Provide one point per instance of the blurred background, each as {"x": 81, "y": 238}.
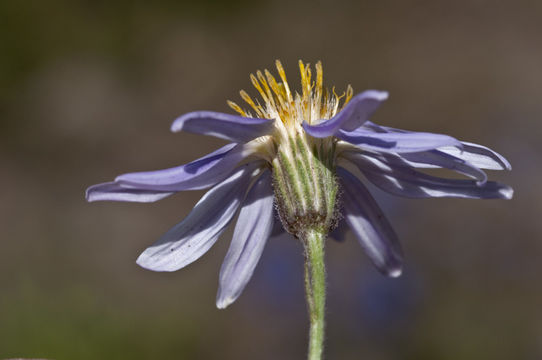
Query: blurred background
{"x": 88, "y": 90}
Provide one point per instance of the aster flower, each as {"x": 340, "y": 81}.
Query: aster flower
{"x": 292, "y": 154}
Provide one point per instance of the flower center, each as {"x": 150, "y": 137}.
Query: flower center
{"x": 314, "y": 104}
{"x": 303, "y": 167}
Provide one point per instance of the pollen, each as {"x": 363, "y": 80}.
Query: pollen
{"x": 314, "y": 104}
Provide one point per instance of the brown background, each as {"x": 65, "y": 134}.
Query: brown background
{"x": 88, "y": 91}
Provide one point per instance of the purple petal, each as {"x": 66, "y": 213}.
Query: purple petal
{"x": 404, "y": 180}
{"x": 225, "y": 126}
{"x": 354, "y": 114}
{"x": 199, "y": 174}
{"x": 112, "y": 191}
{"x": 479, "y": 156}
{"x": 370, "y": 226}
{"x": 252, "y": 230}
{"x": 192, "y": 237}
{"x": 369, "y": 125}
{"x": 439, "y": 159}
{"x": 396, "y": 142}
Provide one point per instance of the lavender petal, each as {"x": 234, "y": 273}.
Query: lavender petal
{"x": 225, "y": 126}
{"x": 251, "y": 232}
{"x": 112, "y": 191}
{"x": 198, "y": 174}
{"x": 479, "y": 156}
{"x": 396, "y": 142}
{"x": 369, "y": 125}
{"x": 370, "y": 226}
{"x": 354, "y": 114}
{"x": 191, "y": 238}
{"x": 439, "y": 159}
{"x": 404, "y": 180}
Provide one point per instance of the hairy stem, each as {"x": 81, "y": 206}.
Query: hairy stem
{"x": 315, "y": 288}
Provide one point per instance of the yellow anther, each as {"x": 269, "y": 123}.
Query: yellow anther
{"x": 303, "y": 79}
{"x": 313, "y": 103}
{"x": 262, "y": 80}
{"x": 282, "y": 75}
{"x": 250, "y": 102}
{"x": 276, "y": 89}
{"x": 349, "y": 94}
{"x": 256, "y": 84}
{"x": 319, "y": 78}
{"x": 237, "y": 108}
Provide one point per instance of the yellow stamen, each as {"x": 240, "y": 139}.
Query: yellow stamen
{"x": 236, "y": 108}
{"x": 256, "y": 84}
{"x": 319, "y": 79}
{"x": 282, "y": 75}
{"x": 304, "y": 81}
{"x": 315, "y": 103}
{"x": 270, "y": 99}
{"x": 250, "y": 102}
{"x": 275, "y": 87}
{"x": 284, "y": 108}
{"x": 305, "y": 88}
{"x": 349, "y": 94}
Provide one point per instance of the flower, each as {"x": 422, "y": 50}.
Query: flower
{"x": 293, "y": 153}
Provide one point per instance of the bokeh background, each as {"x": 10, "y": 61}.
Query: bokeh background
{"x": 88, "y": 90}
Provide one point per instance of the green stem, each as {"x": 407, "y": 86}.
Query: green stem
{"x": 315, "y": 288}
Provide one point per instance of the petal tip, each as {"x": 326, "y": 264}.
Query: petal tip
{"x": 143, "y": 261}
{"x": 177, "y": 124}
{"x": 222, "y": 303}
{"x": 88, "y": 194}
{"x": 92, "y": 193}
{"x": 148, "y": 263}
{"x": 381, "y": 95}
{"x": 394, "y": 272}
{"x": 507, "y": 193}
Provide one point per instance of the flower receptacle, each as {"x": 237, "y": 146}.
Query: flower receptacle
{"x": 304, "y": 183}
